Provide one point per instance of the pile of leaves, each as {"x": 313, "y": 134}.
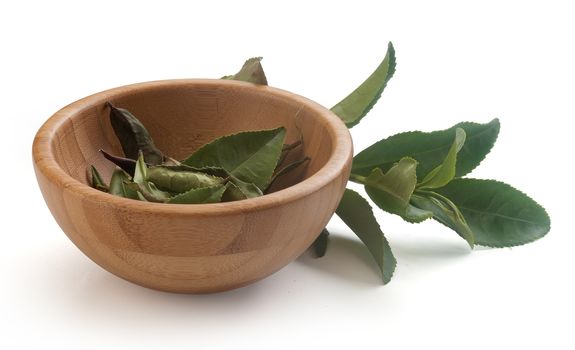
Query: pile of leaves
{"x": 233, "y": 167}
{"x": 421, "y": 175}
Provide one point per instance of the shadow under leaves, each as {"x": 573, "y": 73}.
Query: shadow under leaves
{"x": 347, "y": 259}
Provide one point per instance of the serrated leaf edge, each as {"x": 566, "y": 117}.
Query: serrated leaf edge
{"x": 523, "y": 193}
{"x": 235, "y": 134}
{"x": 468, "y": 138}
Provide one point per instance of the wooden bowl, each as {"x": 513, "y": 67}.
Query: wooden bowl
{"x": 191, "y": 248}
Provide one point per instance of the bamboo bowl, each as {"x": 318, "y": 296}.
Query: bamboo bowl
{"x": 191, "y": 248}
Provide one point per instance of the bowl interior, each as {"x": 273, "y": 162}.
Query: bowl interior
{"x": 181, "y": 116}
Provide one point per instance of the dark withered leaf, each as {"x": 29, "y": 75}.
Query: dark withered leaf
{"x": 320, "y": 244}
{"x": 126, "y": 164}
{"x": 288, "y": 147}
{"x": 129, "y": 165}
{"x": 134, "y": 136}
{"x": 286, "y": 169}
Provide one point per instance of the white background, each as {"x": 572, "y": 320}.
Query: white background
{"x": 456, "y": 61}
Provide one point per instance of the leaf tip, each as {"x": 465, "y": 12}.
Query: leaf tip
{"x": 392, "y": 59}
{"x": 391, "y": 50}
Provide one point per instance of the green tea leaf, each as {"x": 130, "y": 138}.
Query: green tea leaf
{"x": 320, "y": 244}
{"x": 250, "y": 156}
{"x": 498, "y": 214}
{"x": 392, "y": 191}
{"x": 146, "y": 189}
{"x": 141, "y": 169}
{"x": 118, "y": 187}
{"x": 441, "y": 175}
{"x": 96, "y": 180}
{"x": 134, "y": 136}
{"x": 250, "y": 190}
{"x": 178, "y": 179}
{"x": 357, "y": 104}
{"x": 117, "y": 182}
{"x": 237, "y": 189}
{"x": 429, "y": 149}
{"x": 445, "y": 212}
{"x": 357, "y": 214}
{"x": 233, "y": 193}
{"x": 149, "y": 191}
{"x": 212, "y": 171}
{"x": 416, "y": 215}
{"x": 201, "y": 195}
{"x": 252, "y": 72}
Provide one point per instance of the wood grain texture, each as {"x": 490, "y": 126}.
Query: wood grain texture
{"x": 191, "y": 248}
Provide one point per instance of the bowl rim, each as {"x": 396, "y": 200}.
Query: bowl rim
{"x": 338, "y": 161}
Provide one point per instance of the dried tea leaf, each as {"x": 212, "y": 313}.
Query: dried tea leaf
{"x": 250, "y": 156}
{"x": 133, "y": 136}
{"x": 149, "y": 191}
{"x": 237, "y": 189}
{"x": 146, "y": 189}
{"x": 118, "y": 184}
{"x": 286, "y": 169}
{"x": 212, "y": 171}
{"x": 288, "y": 147}
{"x": 96, "y": 180}
{"x": 202, "y": 195}
{"x": 141, "y": 169}
{"x": 249, "y": 189}
{"x": 178, "y": 179}
{"x": 252, "y": 72}
{"x": 233, "y": 193}
{"x": 126, "y": 164}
